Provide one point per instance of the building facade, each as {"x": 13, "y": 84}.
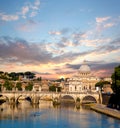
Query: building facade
{"x": 83, "y": 80}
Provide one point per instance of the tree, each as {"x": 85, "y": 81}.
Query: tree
{"x": 19, "y": 86}
{"x": 101, "y": 84}
{"x": 14, "y": 76}
{"x": 116, "y": 80}
{"x": 39, "y": 78}
{"x": 8, "y": 85}
{"x": 53, "y": 88}
{"x": 29, "y": 75}
{"x": 29, "y": 87}
{"x": 1, "y": 72}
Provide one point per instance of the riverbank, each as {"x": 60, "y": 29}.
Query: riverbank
{"x": 105, "y": 110}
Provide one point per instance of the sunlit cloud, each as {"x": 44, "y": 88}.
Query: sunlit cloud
{"x": 104, "y": 23}
{"x": 54, "y": 33}
{"x": 17, "y": 54}
{"x": 24, "y": 11}
{"x": 108, "y": 25}
{"x": 8, "y": 17}
{"x": 102, "y": 19}
{"x": 95, "y": 42}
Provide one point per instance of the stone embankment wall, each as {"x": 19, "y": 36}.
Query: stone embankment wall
{"x": 105, "y": 99}
{"x": 105, "y": 110}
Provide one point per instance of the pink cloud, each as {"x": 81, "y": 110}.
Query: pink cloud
{"x": 6, "y": 17}
{"x": 102, "y": 19}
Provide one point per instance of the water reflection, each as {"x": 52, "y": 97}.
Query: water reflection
{"x": 46, "y": 115}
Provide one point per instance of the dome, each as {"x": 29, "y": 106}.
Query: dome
{"x": 84, "y": 68}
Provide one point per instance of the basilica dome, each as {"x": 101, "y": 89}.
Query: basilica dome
{"x": 84, "y": 68}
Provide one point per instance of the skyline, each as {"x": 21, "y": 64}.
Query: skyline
{"x": 52, "y": 38}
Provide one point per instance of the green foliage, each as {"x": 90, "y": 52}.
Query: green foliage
{"x": 8, "y": 85}
{"x": 60, "y": 80}
{"x": 29, "y": 75}
{"x": 29, "y": 87}
{"x": 3, "y": 75}
{"x": 53, "y": 88}
{"x": 19, "y": 86}
{"x": 39, "y": 78}
{"x": 1, "y": 72}
{"x": 116, "y": 80}
{"x": 101, "y": 83}
{"x": 14, "y": 76}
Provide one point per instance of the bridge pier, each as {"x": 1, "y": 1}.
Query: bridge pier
{"x": 77, "y": 103}
{"x": 12, "y": 100}
{"x": 35, "y": 100}
{"x": 56, "y": 101}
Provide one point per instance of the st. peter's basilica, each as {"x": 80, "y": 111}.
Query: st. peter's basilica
{"x": 83, "y": 81}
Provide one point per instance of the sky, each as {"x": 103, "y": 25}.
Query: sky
{"x": 52, "y": 38}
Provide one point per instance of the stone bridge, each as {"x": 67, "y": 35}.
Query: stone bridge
{"x": 35, "y": 97}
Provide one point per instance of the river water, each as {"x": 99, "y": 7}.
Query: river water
{"x": 45, "y": 115}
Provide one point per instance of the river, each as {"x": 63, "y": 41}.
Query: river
{"x": 45, "y": 115}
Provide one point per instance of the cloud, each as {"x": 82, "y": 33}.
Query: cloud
{"x": 28, "y": 26}
{"x": 33, "y": 13}
{"x": 6, "y": 17}
{"x": 104, "y": 69}
{"x": 64, "y": 42}
{"x": 94, "y": 42}
{"x": 60, "y": 32}
{"x": 24, "y": 11}
{"x": 28, "y": 10}
{"x": 98, "y": 68}
{"x": 54, "y": 33}
{"x": 79, "y": 35}
{"x": 42, "y": 73}
{"x": 112, "y": 46}
{"x": 34, "y": 55}
{"x": 34, "y": 8}
{"x": 102, "y": 19}
{"x": 102, "y": 23}
{"x": 83, "y": 43}
{"x": 36, "y": 4}
{"x": 108, "y": 25}
{"x": 17, "y": 50}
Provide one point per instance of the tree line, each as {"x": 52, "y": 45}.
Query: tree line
{"x": 15, "y": 76}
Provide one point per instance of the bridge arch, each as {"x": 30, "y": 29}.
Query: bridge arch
{"x": 88, "y": 99}
{"x": 68, "y": 97}
{"x": 28, "y": 98}
{"x": 6, "y": 98}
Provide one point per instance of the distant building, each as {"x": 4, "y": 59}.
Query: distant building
{"x": 83, "y": 80}
{"x": 44, "y": 85}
